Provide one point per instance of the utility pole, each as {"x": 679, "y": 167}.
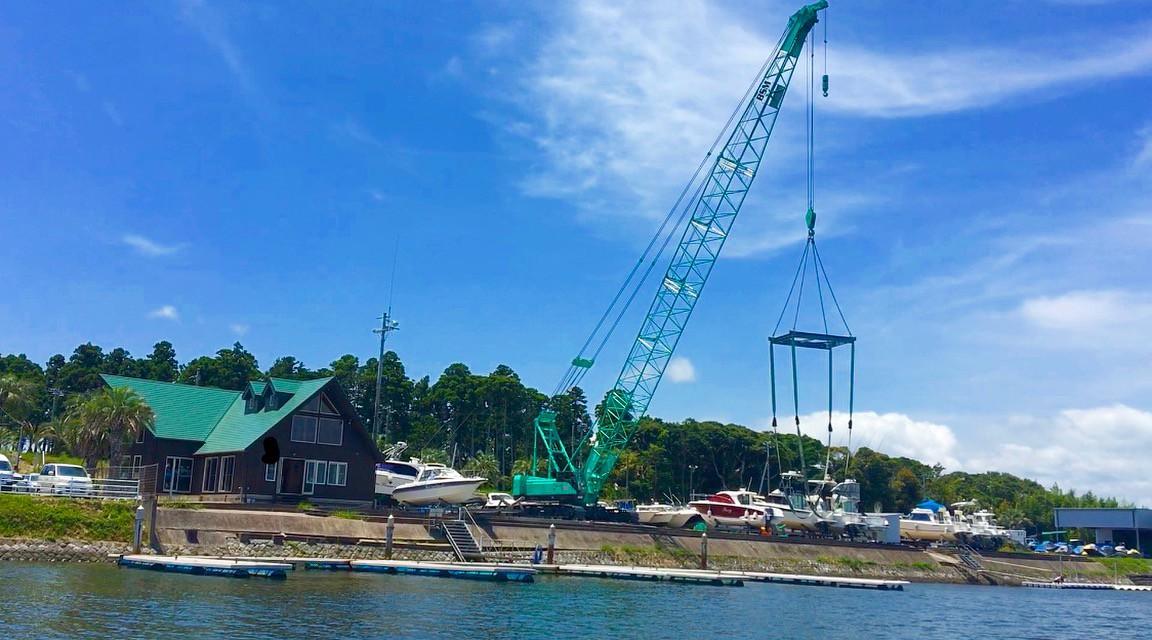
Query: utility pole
{"x": 387, "y": 324}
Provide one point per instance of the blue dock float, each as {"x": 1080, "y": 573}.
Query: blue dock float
{"x": 461, "y": 570}
{"x": 198, "y": 566}
{"x": 687, "y": 576}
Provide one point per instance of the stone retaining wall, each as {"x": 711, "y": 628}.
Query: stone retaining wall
{"x": 65, "y": 551}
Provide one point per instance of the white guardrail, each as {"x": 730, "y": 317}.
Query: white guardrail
{"x": 73, "y": 487}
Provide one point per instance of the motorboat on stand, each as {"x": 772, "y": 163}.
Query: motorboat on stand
{"x": 798, "y": 511}
{"x": 739, "y": 509}
{"x": 655, "y": 514}
{"x": 931, "y": 522}
{"x": 983, "y": 532}
{"x": 438, "y": 484}
{"x": 846, "y": 517}
{"x": 418, "y": 483}
{"x": 670, "y": 515}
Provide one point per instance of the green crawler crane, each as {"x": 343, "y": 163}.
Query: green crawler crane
{"x": 579, "y": 476}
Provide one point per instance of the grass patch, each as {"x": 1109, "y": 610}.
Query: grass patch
{"x": 66, "y": 518}
{"x": 854, "y": 564}
{"x": 182, "y": 504}
{"x": 347, "y": 515}
{"x": 304, "y": 505}
{"x": 1125, "y": 565}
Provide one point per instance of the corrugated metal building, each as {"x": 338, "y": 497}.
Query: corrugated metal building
{"x": 1132, "y": 527}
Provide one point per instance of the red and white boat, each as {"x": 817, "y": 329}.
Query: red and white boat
{"x": 737, "y": 508}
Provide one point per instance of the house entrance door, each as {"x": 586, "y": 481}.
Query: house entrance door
{"x": 292, "y": 476}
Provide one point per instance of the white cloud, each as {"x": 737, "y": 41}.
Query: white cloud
{"x": 915, "y": 84}
{"x": 1143, "y": 156}
{"x": 681, "y": 369}
{"x": 147, "y": 246}
{"x": 212, "y": 27}
{"x": 166, "y": 312}
{"x": 1090, "y": 311}
{"x": 895, "y": 434}
{"x": 238, "y": 328}
{"x": 1103, "y": 450}
{"x": 356, "y": 131}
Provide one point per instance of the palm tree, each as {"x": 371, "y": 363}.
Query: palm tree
{"x": 112, "y": 418}
{"x": 17, "y": 407}
{"x": 484, "y": 465}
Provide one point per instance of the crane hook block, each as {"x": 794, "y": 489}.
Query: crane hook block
{"x": 810, "y": 219}
{"x": 824, "y": 84}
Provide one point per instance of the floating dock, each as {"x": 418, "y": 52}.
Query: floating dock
{"x": 463, "y": 570}
{"x": 821, "y": 581}
{"x": 689, "y": 576}
{"x": 207, "y": 566}
{"x": 1095, "y": 586}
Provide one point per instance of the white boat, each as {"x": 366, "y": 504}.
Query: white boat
{"x": 983, "y": 532}
{"x": 846, "y": 517}
{"x": 654, "y": 514}
{"x": 931, "y": 522}
{"x": 683, "y": 517}
{"x": 437, "y": 484}
{"x": 798, "y": 510}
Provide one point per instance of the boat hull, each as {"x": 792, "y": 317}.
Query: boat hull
{"x": 455, "y": 491}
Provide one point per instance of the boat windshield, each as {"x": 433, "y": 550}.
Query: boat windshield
{"x": 437, "y": 473}
{"x": 921, "y": 516}
{"x": 5, "y": 465}
{"x": 744, "y": 498}
{"x": 797, "y": 501}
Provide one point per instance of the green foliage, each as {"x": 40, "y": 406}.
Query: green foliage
{"x": 1126, "y": 565}
{"x": 304, "y": 505}
{"x": 347, "y": 515}
{"x": 229, "y": 369}
{"x": 485, "y": 424}
{"x": 32, "y": 517}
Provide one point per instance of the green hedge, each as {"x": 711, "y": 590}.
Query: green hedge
{"x": 44, "y": 518}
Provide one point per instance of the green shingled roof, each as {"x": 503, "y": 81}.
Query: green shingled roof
{"x": 236, "y": 429}
{"x": 183, "y": 412}
{"x": 257, "y": 387}
{"x": 213, "y": 416}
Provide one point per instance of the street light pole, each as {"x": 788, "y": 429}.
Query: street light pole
{"x": 691, "y": 484}
{"x": 387, "y": 324}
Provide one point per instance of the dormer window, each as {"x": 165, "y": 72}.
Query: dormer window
{"x": 253, "y": 404}
{"x": 270, "y": 402}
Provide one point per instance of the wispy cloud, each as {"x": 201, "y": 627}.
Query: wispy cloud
{"x": 1143, "y": 157}
{"x": 881, "y": 84}
{"x": 166, "y": 312}
{"x": 1091, "y": 311}
{"x": 147, "y": 246}
{"x": 212, "y": 27}
{"x": 354, "y": 130}
{"x": 621, "y": 99}
{"x": 681, "y": 369}
{"x": 238, "y": 328}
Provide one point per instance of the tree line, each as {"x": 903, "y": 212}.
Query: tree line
{"x": 483, "y": 423}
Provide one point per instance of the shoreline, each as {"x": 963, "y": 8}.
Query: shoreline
{"x": 88, "y": 552}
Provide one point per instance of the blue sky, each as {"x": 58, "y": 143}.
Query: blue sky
{"x": 206, "y": 172}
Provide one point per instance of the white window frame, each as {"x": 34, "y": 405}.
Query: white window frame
{"x": 221, "y": 487}
{"x": 136, "y": 460}
{"x": 341, "y": 471}
{"x": 309, "y": 486}
{"x": 275, "y": 469}
{"x": 140, "y": 436}
{"x": 326, "y": 402}
{"x": 175, "y": 476}
{"x": 292, "y": 428}
{"x": 210, "y": 475}
{"x": 340, "y": 442}
{"x": 321, "y": 473}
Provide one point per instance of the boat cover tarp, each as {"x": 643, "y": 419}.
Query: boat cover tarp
{"x": 930, "y": 504}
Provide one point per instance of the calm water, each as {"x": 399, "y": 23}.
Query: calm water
{"x": 102, "y": 601}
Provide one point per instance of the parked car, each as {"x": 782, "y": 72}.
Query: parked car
{"x": 8, "y": 477}
{"x": 68, "y": 479}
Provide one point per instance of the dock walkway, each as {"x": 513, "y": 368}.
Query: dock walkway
{"x": 206, "y": 566}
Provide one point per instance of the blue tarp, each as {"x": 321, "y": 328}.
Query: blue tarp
{"x": 930, "y": 504}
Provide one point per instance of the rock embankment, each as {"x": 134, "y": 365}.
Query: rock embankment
{"x": 59, "y": 551}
